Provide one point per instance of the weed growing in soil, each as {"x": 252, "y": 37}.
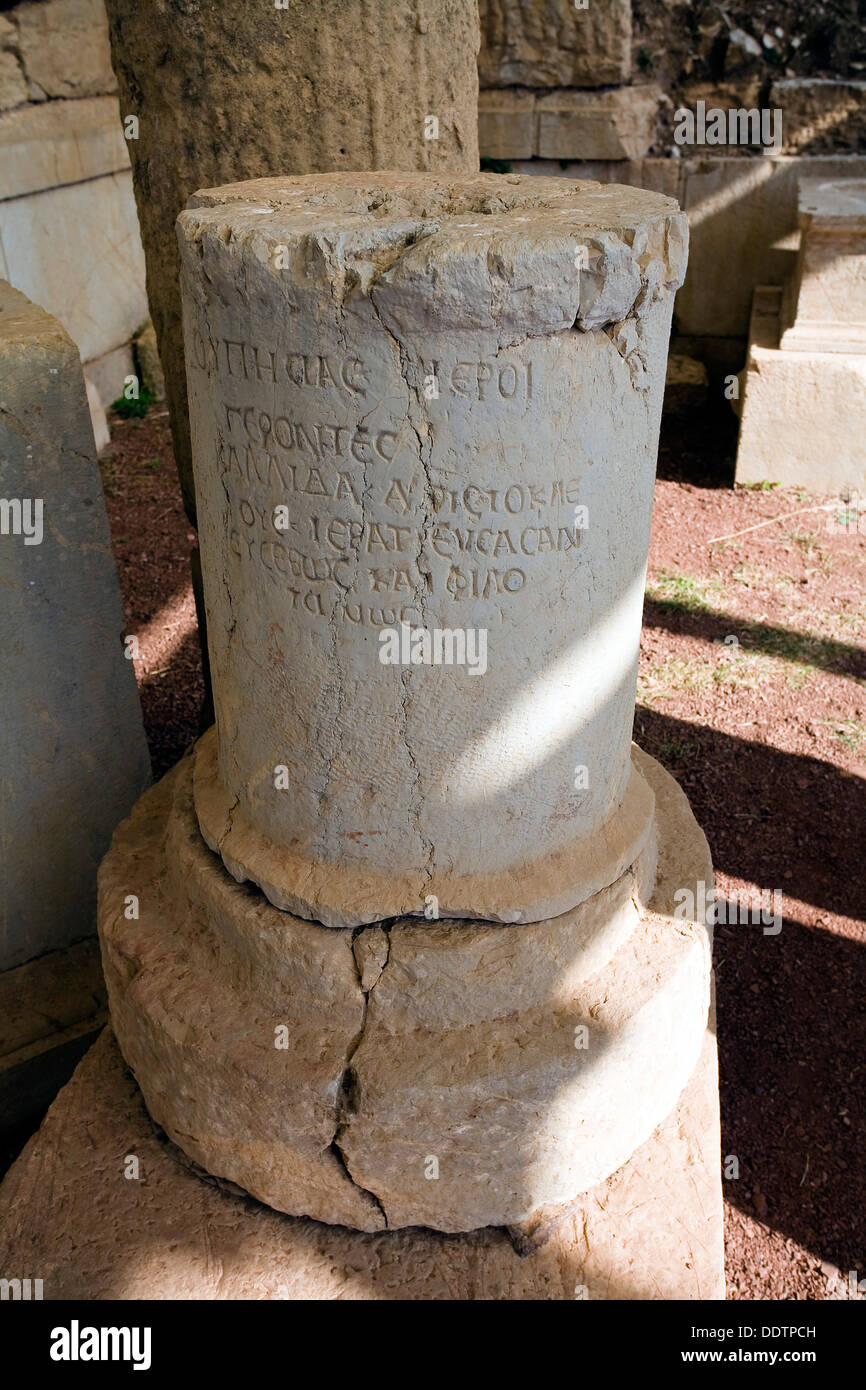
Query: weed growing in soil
{"x": 849, "y": 732}
{"x": 683, "y": 591}
{"x": 135, "y": 408}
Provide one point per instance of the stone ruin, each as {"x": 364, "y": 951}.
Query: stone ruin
{"x": 406, "y": 950}
{"x": 803, "y": 413}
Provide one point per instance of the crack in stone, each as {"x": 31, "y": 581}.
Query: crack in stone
{"x": 345, "y": 1105}
{"x": 329, "y": 252}
{"x": 230, "y": 815}
{"x": 424, "y": 458}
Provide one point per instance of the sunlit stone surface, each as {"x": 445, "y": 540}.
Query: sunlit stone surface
{"x": 465, "y": 995}
{"x": 432, "y": 405}
{"x": 450, "y": 1075}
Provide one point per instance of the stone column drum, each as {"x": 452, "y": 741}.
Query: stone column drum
{"x": 225, "y": 92}
{"x": 431, "y": 404}
{"x": 418, "y": 405}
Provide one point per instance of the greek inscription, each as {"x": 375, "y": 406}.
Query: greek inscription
{"x": 367, "y": 538}
{"x": 479, "y": 381}
{"x": 248, "y": 362}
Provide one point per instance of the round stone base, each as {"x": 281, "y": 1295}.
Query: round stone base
{"x": 651, "y": 1231}
{"x": 352, "y": 894}
{"x": 440, "y": 1074}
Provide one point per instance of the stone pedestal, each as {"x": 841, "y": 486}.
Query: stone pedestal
{"x": 404, "y": 945}
{"x": 804, "y": 409}
{"x": 73, "y": 756}
{"x": 330, "y": 1072}
{"x": 652, "y": 1231}
{"x": 824, "y": 304}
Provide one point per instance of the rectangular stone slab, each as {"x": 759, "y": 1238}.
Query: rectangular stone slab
{"x": 804, "y": 413}
{"x": 554, "y": 43}
{"x": 651, "y": 1231}
{"x": 74, "y": 757}
{"x": 824, "y": 305}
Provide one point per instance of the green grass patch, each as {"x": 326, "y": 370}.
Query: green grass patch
{"x": 683, "y": 592}
{"x": 135, "y": 408}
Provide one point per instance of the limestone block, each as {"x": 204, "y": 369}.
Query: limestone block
{"x": 105, "y": 378}
{"x": 686, "y": 384}
{"x": 237, "y": 92}
{"x": 98, "y": 417}
{"x": 820, "y": 114}
{"x": 554, "y": 43}
{"x": 84, "y": 234}
{"x": 13, "y": 86}
{"x": 506, "y": 124}
{"x": 59, "y": 142}
{"x": 74, "y": 755}
{"x": 64, "y": 48}
{"x": 405, "y": 1042}
{"x": 824, "y": 306}
{"x": 803, "y": 417}
{"x": 652, "y": 1231}
{"x": 742, "y": 214}
{"x": 438, "y": 507}
{"x": 616, "y": 124}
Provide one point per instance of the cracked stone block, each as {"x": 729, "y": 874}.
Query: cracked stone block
{"x": 425, "y": 403}
{"x": 56, "y": 143}
{"x": 652, "y": 1231}
{"x": 99, "y": 247}
{"x": 409, "y": 951}
{"x": 326, "y": 84}
{"x": 74, "y": 757}
{"x": 439, "y": 1074}
{"x": 554, "y": 43}
{"x": 64, "y": 48}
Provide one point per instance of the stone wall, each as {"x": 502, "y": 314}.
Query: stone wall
{"x": 69, "y": 235}
{"x": 594, "y": 91}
